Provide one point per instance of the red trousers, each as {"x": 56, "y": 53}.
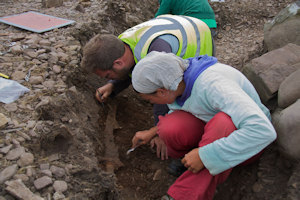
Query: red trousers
{"x": 182, "y": 132}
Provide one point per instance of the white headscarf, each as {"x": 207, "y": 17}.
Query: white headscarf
{"x": 158, "y": 70}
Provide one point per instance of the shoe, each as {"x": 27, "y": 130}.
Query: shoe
{"x": 176, "y": 168}
{"x": 166, "y": 197}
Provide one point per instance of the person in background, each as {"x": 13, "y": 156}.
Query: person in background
{"x": 216, "y": 119}
{"x": 200, "y": 9}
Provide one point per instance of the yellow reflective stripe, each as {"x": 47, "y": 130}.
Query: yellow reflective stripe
{"x": 206, "y": 40}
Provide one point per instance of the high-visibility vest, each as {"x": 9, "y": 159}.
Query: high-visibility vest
{"x": 193, "y": 35}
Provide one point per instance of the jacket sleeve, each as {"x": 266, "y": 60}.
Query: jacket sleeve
{"x": 119, "y": 85}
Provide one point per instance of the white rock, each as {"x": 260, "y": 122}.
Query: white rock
{"x": 25, "y": 159}
{"x": 19, "y": 190}
{"x": 60, "y": 186}
{"x": 36, "y": 80}
{"x": 14, "y": 154}
{"x": 42, "y": 182}
{"x": 8, "y": 172}
{"x": 56, "y": 69}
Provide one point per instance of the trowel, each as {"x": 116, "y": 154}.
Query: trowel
{"x": 130, "y": 150}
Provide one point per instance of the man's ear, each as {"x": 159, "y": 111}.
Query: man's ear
{"x": 118, "y": 64}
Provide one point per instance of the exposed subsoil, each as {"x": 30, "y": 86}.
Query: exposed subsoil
{"x": 75, "y": 127}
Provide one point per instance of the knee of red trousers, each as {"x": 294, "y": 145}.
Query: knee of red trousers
{"x": 181, "y": 131}
{"x": 218, "y": 127}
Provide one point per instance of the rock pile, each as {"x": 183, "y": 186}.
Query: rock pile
{"x": 276, "y": 76}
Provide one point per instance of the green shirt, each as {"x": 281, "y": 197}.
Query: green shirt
{"x": 194, "y": 8}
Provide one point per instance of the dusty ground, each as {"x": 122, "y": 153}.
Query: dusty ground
{"x": 72, "y": 125}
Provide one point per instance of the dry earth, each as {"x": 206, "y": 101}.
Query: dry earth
{"x": 61, "y": 125}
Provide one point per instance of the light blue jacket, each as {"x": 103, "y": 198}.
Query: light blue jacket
{"x": 223, "y": 88}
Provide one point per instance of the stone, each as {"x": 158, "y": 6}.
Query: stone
{"x": 23, "y": 177}
{"x": 12, "y": 107}
{"x": 18, "y": 75}
{"x": 58, "y": 196}
{"x": 44, "y": 101}
{"x": 8, "y": 172}
{"x": 289, "y": 89}
{"x": 16, "y": 142}
{"x": 3, "y": 121}
{"x": 268, "y": 71}
{"x": 31, "y": 53}
{"x": 30, "y": 124}
{"x": 53, "y": 58}
{"x": 46, "y": 172}
{"x": 19, "y": 190}
{"x": 25, "y": 159}
{"x": 42, "y": 182}
{"x": 49, "y": 84}
{"x": 15, "y": 154}
{"x": 287, "y": 125}
{"x": 56, "y": 69}
{"x": 44, "y": 166}
{"x": 60, "y": 186}
{"x": 6, "y": 149}
{"x": 284, "y": 28}
{"x": 45, "y": 42}
{"x": 34, "y": 80}
{"x": 43, "y": 56}
{"x": 57, "y": 171}
{"x": 17, "y": 49}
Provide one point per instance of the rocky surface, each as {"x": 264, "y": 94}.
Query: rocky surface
{"x": 52, "y": 138}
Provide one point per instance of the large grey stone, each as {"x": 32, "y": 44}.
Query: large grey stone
{"x": 289, "y": 89}
{"x": 284, "y": 28}
{"x": 19, "y": 190}
{"x": 287, "y": 125}
{"x": 268, "y": 71}
{"x": 8, "y": 172}
{"x": 15, "y": 154}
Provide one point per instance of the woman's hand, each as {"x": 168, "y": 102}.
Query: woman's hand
{"x": 192, "y": 161}
{"x": 143, "y": 137}
{"x": 161, "y": 148}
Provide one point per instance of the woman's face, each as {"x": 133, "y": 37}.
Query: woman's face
{"x": 161, "y": 96}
